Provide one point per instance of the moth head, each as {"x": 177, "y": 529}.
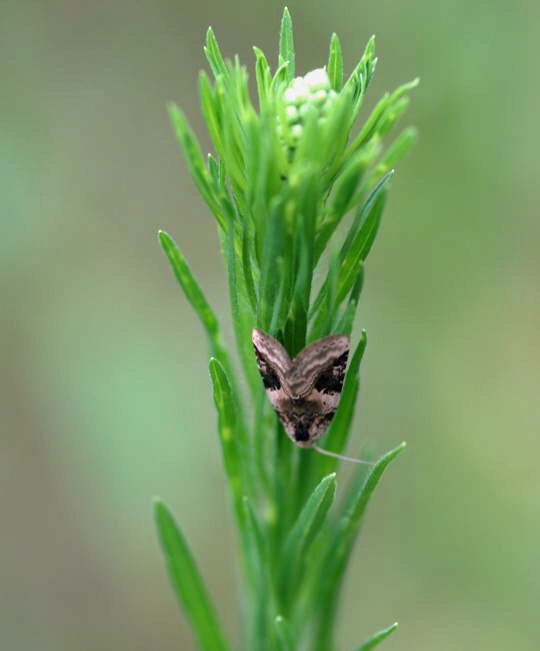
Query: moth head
{"x": 305, "y": 425}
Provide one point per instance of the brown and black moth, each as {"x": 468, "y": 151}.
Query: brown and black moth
{"x": 305, "y": 391}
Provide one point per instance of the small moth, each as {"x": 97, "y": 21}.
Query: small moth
{"x": 305, "y": 391}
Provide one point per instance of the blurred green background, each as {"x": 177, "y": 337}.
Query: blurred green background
{"x": 105, "y": 391}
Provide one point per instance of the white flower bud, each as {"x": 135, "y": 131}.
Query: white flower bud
{"x": 317, "y": 79}
{"x": 313, "y": 91}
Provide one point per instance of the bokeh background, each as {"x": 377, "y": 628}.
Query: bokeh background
{"x": 104, "y": 388}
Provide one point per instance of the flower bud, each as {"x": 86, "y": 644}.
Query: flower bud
{"x": 313, "y": 90}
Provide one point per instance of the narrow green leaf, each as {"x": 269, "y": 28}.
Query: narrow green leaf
{"x": 213, "y": 54}
{"x": 370, "y": 125}
{"x": 279, "y": 311}
{"x": 379, "y": 115}
{"x": 213, "y": 168}
{"x": 273, "y": 248}
{"x": 284, "y": 634}
{"x": 335, "y": 134}
{"x": 255, "y": 535}
{"x": 242, "y": 316}
{"x": 357, "y": 245}
{"x": 363, "y": 72}
{"x": 196, "y": 297}
{"x": 347, "y": 183}
{"x": 334, "y": 563}
{"x": 322, "y": 325}
{"x": 360, "y": 497}
{"x": 306, "y": 527}
{"x": 192, "y": 290}
{"x": 335, "y": 63}
{"x": 281, "y": 76}
{"x": 344, "y": 323}
{"x": 363, "y": 217}
{"x": 229, "y": 434}
{"x": 358, "y": 248}
{"x": 262, "y": 73}
{"x": 376, "y": 638}
{"x": 397, "y": 150}
{"x": 286, "y": 43}
{"x": 261, "y": 604}
{"x": 248, "y": 272}
{"x": 345, "y": 190}
{"x": 192, "y": 154}
{"x": 392, "y": 115}
{"x": 187, "y": 582}
{"x": 210, "y": 110}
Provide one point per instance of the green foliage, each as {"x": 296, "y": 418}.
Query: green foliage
{"x": 187, "y": 582}
{"x": 376, "y": 638}
{"x": 297, "y": 191}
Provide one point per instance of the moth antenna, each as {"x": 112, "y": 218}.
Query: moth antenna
{"x": 341, "y": 456}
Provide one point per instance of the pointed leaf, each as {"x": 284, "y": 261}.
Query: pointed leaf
{"x": 211, "y": 110}
{"x": 329, "y": 306}
{"x": 262, "y": 73}
{"x": 286, "y": 43}
{"x": 284, "y": 634}
{"x": 261, "y": 603}
{"x": 379, "y": 114}
{"x": 335, "y": 63}
{"x": 363, "y": 72}
{"x": 242, "y": 316}
{"x": 248, "y": 272}
{"x": 358, "y": 244}
{"x": 192, "y": 290}
{"x": 187, "y": 582}
{"x": 192, "y": 154}
{"x": 345, "y": 190}
{"x": 376, "y": 638}
{"x": 196, "y": 297}
{"x": 359, "y": 499}
{"x": 345, "y": 322}
{"x": 273, "y": 248}
{"x": 397, "y": 150}
{"x": 306, "y": 527}
{"x": 339, "y": 548}
{"x": 228, "y": 434}
{"x": 213, "y": 54}
{"x": 364, "y": 218}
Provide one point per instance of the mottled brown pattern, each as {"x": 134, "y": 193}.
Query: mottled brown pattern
{"x": 304, "y": 391}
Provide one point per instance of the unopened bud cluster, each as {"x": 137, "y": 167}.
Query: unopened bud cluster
{"x": 312, "y": 91}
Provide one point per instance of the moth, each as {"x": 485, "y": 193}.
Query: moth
{"x": 304, "y": 391}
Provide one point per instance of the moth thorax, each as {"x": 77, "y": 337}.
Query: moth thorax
{"x": 296, "y": 386}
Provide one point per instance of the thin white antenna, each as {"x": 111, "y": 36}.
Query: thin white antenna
{"x": 341, "y": 456}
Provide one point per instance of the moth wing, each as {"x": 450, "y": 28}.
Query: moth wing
{"x": 320, "y": 367}
{"x": 273, "y": 362}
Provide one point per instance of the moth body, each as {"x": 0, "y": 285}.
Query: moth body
{"x": 304, "y": 391}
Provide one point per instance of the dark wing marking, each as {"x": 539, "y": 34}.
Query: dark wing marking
{"x": 331, "y": 379}
{"x": 269, "y": 376}
{"x": 273, "y": 362}
{"x": 326, "y": 357}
